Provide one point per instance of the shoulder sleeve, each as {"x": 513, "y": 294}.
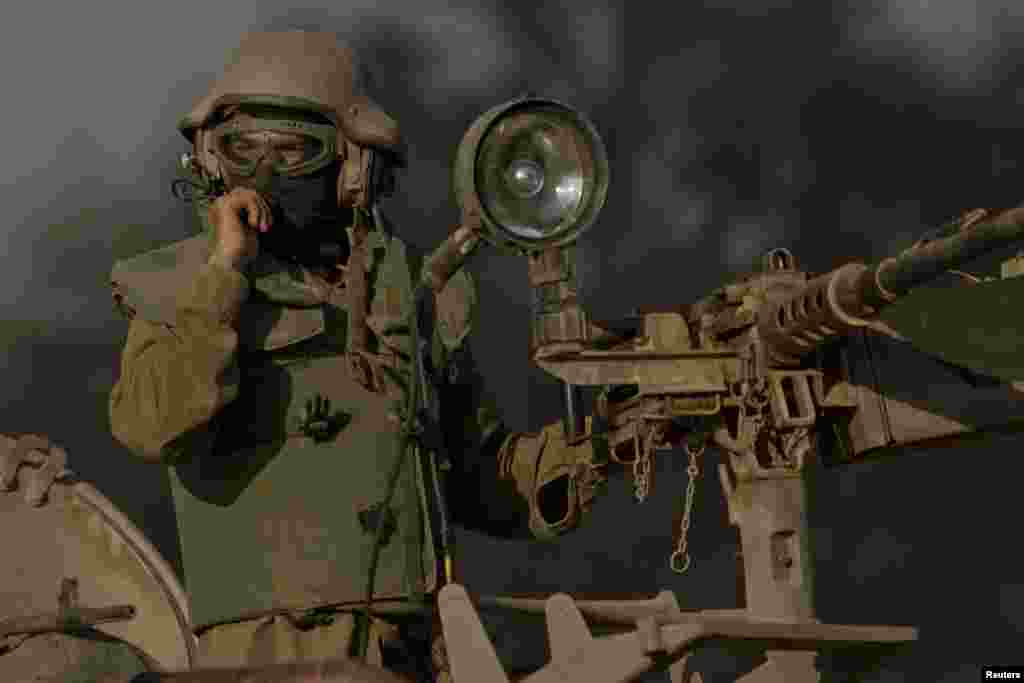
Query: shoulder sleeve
{"x": 148, "y": 286}
{"x": 456, "y": 310}
{"x": 178, "y": 366}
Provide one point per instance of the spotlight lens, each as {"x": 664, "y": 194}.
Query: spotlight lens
{"x": 538, "y": 169}
{"x": 524, "y": 178}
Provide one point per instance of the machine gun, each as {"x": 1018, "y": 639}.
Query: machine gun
{"x": 749, "y": 369}
{"x": 753, "y": 368}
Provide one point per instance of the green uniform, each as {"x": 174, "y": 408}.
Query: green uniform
{"x": 217, "y": 376}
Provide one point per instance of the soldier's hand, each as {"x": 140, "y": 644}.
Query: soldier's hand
{"x": 237, "y": 217}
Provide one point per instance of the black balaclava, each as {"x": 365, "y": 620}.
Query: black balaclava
{"x": 308, "y": 225}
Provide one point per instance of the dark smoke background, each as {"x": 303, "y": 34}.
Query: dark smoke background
{"x": 731, "y": 127}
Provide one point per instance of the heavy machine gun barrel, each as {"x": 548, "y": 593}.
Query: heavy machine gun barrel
{"x": 928, "y": 260}
{"x": 848, "y": 297}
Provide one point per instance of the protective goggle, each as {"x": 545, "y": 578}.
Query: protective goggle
{"x": 292, "y": 148}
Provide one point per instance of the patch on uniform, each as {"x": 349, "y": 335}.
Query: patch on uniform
{"x": 318, "y": 422}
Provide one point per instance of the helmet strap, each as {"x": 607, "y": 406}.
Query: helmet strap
{"x": 355, "y": 182}
{"x": 208, "y": 161}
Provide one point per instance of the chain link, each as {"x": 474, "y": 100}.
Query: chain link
{"x": 641, "y": 467}
{"x": 679, "y": 561}
{"x": 791, "y": 443}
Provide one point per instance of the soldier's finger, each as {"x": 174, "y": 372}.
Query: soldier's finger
{"x": 266, "y": 215}
{"x": 253, "y": 212}
{"x": 254, "y": 209}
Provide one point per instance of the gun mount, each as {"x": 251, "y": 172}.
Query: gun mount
{"x": 747, "y": 369}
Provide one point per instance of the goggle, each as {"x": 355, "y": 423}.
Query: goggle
{"x": 292, "y": 148}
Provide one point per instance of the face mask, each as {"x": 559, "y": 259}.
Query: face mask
{"x": 308, "y": 226}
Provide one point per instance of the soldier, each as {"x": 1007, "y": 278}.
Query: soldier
{"x": 267, "y": 364}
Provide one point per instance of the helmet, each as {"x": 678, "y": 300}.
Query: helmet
{"x": 299, "y": 70}
{"x": 303, "y": 70}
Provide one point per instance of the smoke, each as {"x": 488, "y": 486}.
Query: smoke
{"x": 749, "y": 237}
{"x": 899, "y": 224}
{"x": 674, "y": 210}
{"x": 596, "y": 34}
{"x": 459, "y": 50}
{"x": 961, "y": 44}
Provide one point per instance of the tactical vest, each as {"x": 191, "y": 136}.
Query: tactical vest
{"x": 276, "y": 509}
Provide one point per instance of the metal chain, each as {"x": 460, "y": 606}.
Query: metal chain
{"x": 679, "y": 561}
{"x": 642, "y": 465}
{"x": 790, "y": 445}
